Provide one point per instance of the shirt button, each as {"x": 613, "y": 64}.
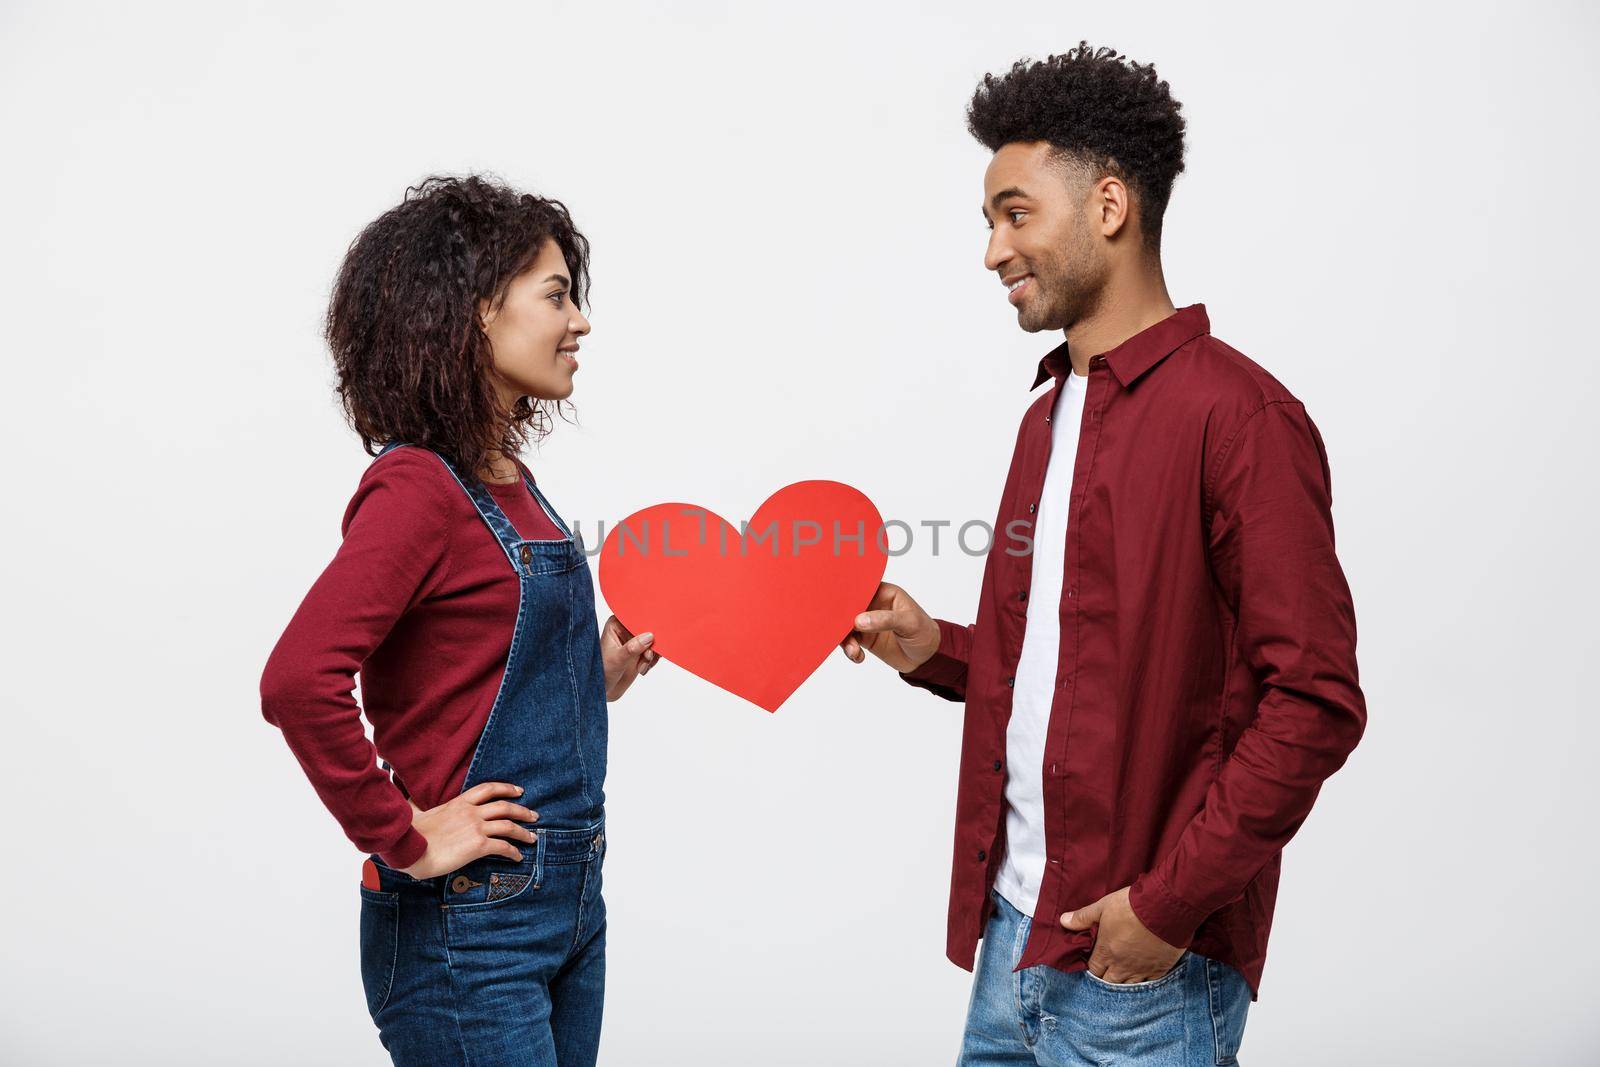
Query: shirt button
{"x": 982, "y": 855}
{"x": 1030, "y": 509}
{"x": 997, "y": 765}
{"x": 1022, "y": 595}
{"x": 1072, "y": 591}
{"x": 1011, "y": 681}
{"x": 1047, "y": 418}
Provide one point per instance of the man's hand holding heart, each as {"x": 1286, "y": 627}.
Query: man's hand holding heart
{"x": 895, "y": 629}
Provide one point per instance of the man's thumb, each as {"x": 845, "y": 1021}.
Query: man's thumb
{"x": 882, "y": 620}
{"x": 1083, "y": 918}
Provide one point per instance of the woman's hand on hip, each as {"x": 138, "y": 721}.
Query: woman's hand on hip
{"x": 625, "y": 656}
{"x": 480, "y": 822}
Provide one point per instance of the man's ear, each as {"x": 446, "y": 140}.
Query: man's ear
{"x": 1111, "y": 204}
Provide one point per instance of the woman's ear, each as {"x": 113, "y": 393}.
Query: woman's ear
{"x": 486, "y": 313}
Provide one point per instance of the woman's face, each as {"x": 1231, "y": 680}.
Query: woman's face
{"x": 534, "y": 332}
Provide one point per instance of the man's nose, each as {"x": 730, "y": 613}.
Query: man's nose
{"x": 998, "y": 254}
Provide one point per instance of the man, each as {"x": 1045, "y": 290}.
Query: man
{"x": 1162, "y": 672}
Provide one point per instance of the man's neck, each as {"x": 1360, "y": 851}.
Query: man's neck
{"x": 1130, "y": 306}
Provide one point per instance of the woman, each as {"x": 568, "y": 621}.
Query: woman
{"x": 466, "y": 605}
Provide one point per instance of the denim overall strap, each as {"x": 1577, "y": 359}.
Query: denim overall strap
{"x": 547, "y": 729}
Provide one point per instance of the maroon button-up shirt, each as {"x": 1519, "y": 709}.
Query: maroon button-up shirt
{"x": 1207, "y": 677}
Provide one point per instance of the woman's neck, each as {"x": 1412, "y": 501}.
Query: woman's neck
{"x": 499, "y": 469}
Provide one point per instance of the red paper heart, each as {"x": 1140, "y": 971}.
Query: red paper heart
{"x": 754, "y": 611}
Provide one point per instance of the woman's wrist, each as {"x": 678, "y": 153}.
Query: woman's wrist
{"x": 405, "y": 852}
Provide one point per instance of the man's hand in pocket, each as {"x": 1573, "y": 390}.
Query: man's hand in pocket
{"x": 1124, "y": 950}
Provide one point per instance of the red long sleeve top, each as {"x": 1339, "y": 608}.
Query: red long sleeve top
{"x": 421, "y": 589}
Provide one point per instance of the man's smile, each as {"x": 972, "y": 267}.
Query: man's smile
{"x": 1016, "y": 286}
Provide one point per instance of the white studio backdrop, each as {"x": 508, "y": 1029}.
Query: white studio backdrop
{"x": 1388, "y": 206}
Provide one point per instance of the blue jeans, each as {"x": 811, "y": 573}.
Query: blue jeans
{"x": 1192, "y": 1015}
{"x": 499, "y": 963}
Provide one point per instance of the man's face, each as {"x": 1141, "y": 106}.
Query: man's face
{"x": 1042, "y": 236}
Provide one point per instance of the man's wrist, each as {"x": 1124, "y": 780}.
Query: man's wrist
{"x": 942, "y": 668}
{"x": 1164, "y": 913}
{"x": 936, "y": 635}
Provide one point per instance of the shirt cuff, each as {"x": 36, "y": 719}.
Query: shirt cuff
{"x": 948, "y": 666}
{"x": 406, "y": 851}
{"x": 1165, "y": 914}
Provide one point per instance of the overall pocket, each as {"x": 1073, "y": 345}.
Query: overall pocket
{"x": 492, "y": 882}
{"x": 380, "y": 945}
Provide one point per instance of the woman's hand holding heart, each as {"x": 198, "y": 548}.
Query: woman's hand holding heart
{"x": 626, "y": 657}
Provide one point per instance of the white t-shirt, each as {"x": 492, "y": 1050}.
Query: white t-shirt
{"x": 1023, "y": 869}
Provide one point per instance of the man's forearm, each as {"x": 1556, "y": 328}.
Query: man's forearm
{"x": 1259, "y": 800}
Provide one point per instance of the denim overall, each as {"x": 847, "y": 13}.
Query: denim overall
{"x": 503, "y": 963}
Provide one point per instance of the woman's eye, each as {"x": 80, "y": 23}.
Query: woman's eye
{"x": 558, "y": 297}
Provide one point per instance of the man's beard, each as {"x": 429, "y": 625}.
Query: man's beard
{"x": 1070, "y": 286}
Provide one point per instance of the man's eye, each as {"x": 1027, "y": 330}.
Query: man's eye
{"x": 1014, "y": 212}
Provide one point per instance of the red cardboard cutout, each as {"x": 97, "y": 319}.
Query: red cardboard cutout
{"x": 752, "y": 610}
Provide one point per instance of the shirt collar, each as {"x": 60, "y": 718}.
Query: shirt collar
{"x": 1133, "y": 357}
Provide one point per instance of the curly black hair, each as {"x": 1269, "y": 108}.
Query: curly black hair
{"x": 413, "y": 361}
{"x": 1096, "y": 107}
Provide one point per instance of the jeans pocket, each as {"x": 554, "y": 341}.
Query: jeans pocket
{"x": 1141, "y": 987}
{"x": 380, "y": 945}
